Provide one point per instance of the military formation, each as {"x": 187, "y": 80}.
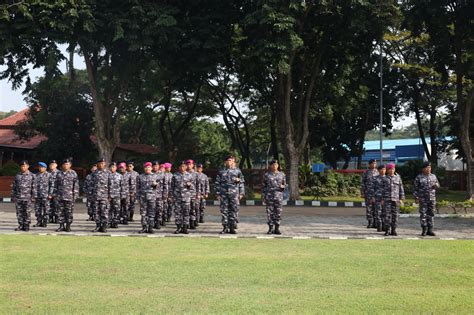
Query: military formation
{"x": 113, "y": 192}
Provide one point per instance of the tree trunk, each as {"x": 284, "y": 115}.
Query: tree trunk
{"x": 273, "y": 134}
{"x": 433, "y": 138}
{"x": 416, "y": 109}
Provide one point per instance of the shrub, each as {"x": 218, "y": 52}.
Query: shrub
{"x": 10, "y": 169}
{"x": 408, "y": 209}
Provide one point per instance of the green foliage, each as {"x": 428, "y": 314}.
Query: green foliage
{"x": 410, "y": 169}
{"x": 332, "y": 184}
{"x": 9, "y": 169}
{"x": 406, "y": 209}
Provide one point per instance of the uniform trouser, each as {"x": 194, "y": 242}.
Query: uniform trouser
{"x": 53, "y": 209}
{"x": 101, "y": 212}
{"x": 168, "y": 207}
{"x": 124, "y": 208}
{"x": 229, "y": 207}
{"x": 147, "y": 211}
{"x": 159, "y": 214}
{"x": 182, "y": 209}
{"x": 90, "y": 206}
{"x": 379, "y": 213}
{"x": 41, "y": 210}
{"x": 131, "y": 205}
{"x": 114, "y": 210}
{"x": 202, "y": 207}
{"x": 23, "y": 211}
{"x": 65, "y": 213}
{"x": 194, "y": 210}
{"x": 427, "y": 208}
{"x": 274, "y": 209}
{"x": 369, "y": 210}
{"x": 392, "y": 212}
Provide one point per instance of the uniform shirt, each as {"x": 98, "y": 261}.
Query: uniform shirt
{"x": 182, "y": 186}
{"x": 274, "y": 184}
{"x": 425, "y": 187}
{"x": 24, "y": 187}
{"x": 42, "y": 185}
{"x": 162, "y": 188}
{"x": 146, "y": 186}
{"x": 203, "y": 188}
{"x": 230, "y": 181}
{"x": 52, "y": 180}
{"x": 133, "y": 181}
{"x": 115, "y": 185}
{"x": 126, "y": 178}
{"x": 377, "y": 187}
{"x": 66, "y": 186}
{"x": 366, "y": 182}
{"x": 393, "y": 188}
{"x": 195, "y": 186}
{"x": 88, "y": 189}
{"x": 168, "y": 178}
{"x": 100, "y": 185}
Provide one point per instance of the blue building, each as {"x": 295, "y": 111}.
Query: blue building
{"x": 397, "y": 151}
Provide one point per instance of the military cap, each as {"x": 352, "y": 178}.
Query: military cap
{"x": 426, "y": 164}
{"x": 53, "y": 161}
{"x": 372, "y": 161}
{"x": 228, "y": 157}
{"x": 390, "y": 166}
{"x": 380, "y": 166}
{"x": 66, "y": 160}
{"x": 273, "y": 162}
{"x": 190, "y": 161}
{"x": 100, "y": 160}
{"x": 199, "y": 165}
{"x": 155, "y": 162}
{"x": 113, "y": 164}
{"x": 130, "y": 163}
{"x": 24, "y": 162}
{"x": 182, "y": 163}
{"x": 122, "y": 165}
{"x": 146, "y": 164}
{"x": 42, "y": 164}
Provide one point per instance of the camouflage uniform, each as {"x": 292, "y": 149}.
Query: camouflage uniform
{"x": 392, "y": 193}
{"x": 203, "y": 190}
{"x": 161, "y": 192}
{"x": 194, "y": 205}
{"x": 100, "y": 184}
{"x": 115, "y": 193}
{"x": 146, "y": 193}
{"x": 53, "y": 207}
{"x": 89, "y": 192}
{"x": 167, "y": 199}
{"x": 182, "y": 187}
{"x": 41, "y": 204}
{"x": 376, "y": 188}
{"x": 274, "y": 184}
{"x": 23, "y": 193}
{"x": 133, "y": 193}
{"x": 125, "y": 197}
{"x": 229, "y": 186}
{"x": 66, "y": 190}
{"x": 425, "y": 192}
{"x": 365, "y": 189}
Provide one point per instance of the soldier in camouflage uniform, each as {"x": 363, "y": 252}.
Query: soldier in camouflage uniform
{"x": 89, "y": 192}
{"x": 182, "y": 187}
{"x": 23, "y": 194}
{"x": 392, "y": 194}
{"x": 161, "y": 192}
{"x": 274, "y": 184}
{"x": 100, "y": 188}
{"x": 65, "y": 191}
{"x": 376, "y": 193}
{"x": 365, "y": 191}
{"x": 424, "y": 191}
{"x": 42, "y": 191}
{"x": 194, "y": 208}
{"x": 125, "y": 196}
{"x": 167, "y": 199}
{"x": 133, "y": 190}
{"x": 203, "y": 191}
{"x": 115, "y": 193}
{"x": 146, "y": 193}
{"x": 53, "y": 207}
{"x": 229, "y": 190}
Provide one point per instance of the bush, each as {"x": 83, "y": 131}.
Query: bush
{"x": 10, "y": 169}
{"x": 408, "y": 209}
{"x": 332, "y": 184}
{"x": 249, "y": 193}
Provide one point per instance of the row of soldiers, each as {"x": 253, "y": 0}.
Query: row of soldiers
{"x": 383, "y": 191}
{"x": 112, "y": 194}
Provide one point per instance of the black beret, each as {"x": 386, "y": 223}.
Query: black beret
{"x": 199, "y": 165}
{"x": 130, "y": 163}
{"x": 67, "y": 160}
{"x": 381, "y": 166}
{"x": 230, "y": 156}
{"x": 53, "y": 161}
{"x": 24, "y": 162}
{"x": 372, "y": 161}
{"x": 426, "y": 164}
{"x": 113, "y": 164}
{"x": 182, "y": 163}
{"x": 155, "y": 162}
{"x": 100, "y": 160}
{"x": 273, "y": 162}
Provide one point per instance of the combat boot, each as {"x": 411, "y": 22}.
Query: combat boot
{"x": 277, "y": 229}
{"x": 60, "y": 228}
{"x": 201, "y": 219}
{"x": 130, "y": 218}
{"x": 423, "y": 230}
{"x": 163, "y": 222}
{"x": 232, "y": 229}
{"x": 19, "y": 228}
{"x": 192, "y": 225}
{"x": 387, "y": 230}
{"x": 270, "y": 229}
{"x": 68, "y": 227}
{"x": 150, "y": 230}
{"x": 125, "y": 221}
{"x": 236, "y": 227}
{"x": 55, "y": 219}
{"x": 196, "y": 223}
{"x": 51, "y": 219}
{"x": 379, "y": 227}
{"x": 369, "y": 224}
{"x": 26, "y": 227}
{"x": 143, "y": 230}
{"x": 38, "y": 224}
{"x": 224, "y": 229}
{"x": 178, "y": 229}
{"x": 430, "y": 231}
{"x": 45, "y": 222}
{"x": 103, "y": 228}
{"x": 97, "y": 228}
{"x": 394, "y": 231}
{"x": 185, "y": 229}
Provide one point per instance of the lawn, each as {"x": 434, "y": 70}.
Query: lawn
{"x": 55, "y": 274}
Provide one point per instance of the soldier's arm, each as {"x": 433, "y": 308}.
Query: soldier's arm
{"x": 138, "y": 187}
{"x": 217, "y": 185}
{"x": 34, "y": 189}
{"x": 242, "y": 184}
{"x": 436, "y": 185}
{"x": 208, "y": 187}
{"x": 76, "y": 187}
{"x": 416, "y": 187}
{"x": 402, "y": 191}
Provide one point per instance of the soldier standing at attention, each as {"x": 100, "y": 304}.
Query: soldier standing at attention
{"x": 203, "y": 191}
{"x": 88, "y": 190}
{"x": 230, "y": 190}
{"x": 167, "y": 199}
{"x": 125, "y": 196}
{"x": 377, "y": 190}
{"x": 115, "y": 193}
{"x": 100, "y": 188}
{"x": 182, "y": 188}
{"x": 133, "y": 190}
{"x": 193, "y": 212}
{"x": 161, "y": 190}
{"x": 23, "y": 194}
{"x": 66, "y": 190}
{"x": 42, "y": 190}
{"x": 53, "y": 203}
{"x": 425, "y": 195}
{"x": 274, "y": 184}
{"x": 146, "y": 193}
{"x": 365, "y": 191}
{"x": 393, "y": 194}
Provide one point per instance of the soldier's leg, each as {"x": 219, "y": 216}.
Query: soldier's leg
{"x": 268, "y": 212}
{"x": 192, "y": 213}
{"x": 224, "y": 209}
{"x": 388, "y": 216}
{"x": 50, "y": 211}
{"x": 368, "y": 213}
{"x": 18, "y": 215}
{"x": 186, "y": 209}
{"x": 431, "y": 206}
{"x": 178, "y": 217}
{"x": 44, "y": 206}
{"x": 39, "y": 219}
{"x": 26, "y": 214}
{"x": 395, "y": 208}
{"x": 151, "y": 213}
{"x": 423, "y": 209}
{"x": 232, "y": 214}
{"x": 202, "y": 209}
{"x": 68, "y": 210}
{"x": 378, "y": 216}
{"x": 158, "y": 213}
{"x": 143, "y": 218}
{"x": 131, "y": 207}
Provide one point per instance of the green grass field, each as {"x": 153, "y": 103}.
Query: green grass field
{"x": 54, "y": 274}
